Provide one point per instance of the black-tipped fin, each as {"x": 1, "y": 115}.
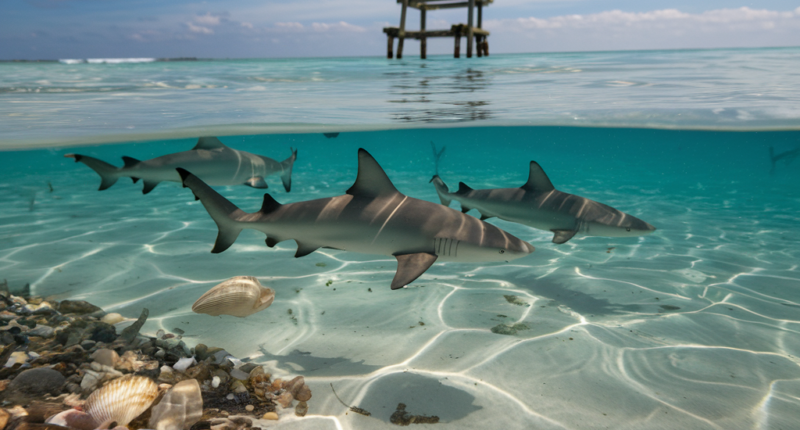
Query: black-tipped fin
{"x": 561, "y": 236}
{"x": 271, "y": 242}
{"x": 148, "y": 186}
{"x": 134, "y": 179}
{"x": 208, "y": 143}
{"x": 371, "y": 180}
{"x": 129, "y": 162}
{"x": 537, "y": 180}
{"x": 410, "y": 267}
{"x": 465, "y": 209}
{"x": 463, "y": 188}
{"x": 485, "y": 217}
{"x": 303, "y": 250}
{"x": 331, "y": 135}
{"x": 269, "y": 205}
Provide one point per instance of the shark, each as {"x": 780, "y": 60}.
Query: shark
{"x": 539, "y": 205}
{"x": 372, "y": 217}
{"x": 212, "y": 160}
{"x": 787, "y": 156}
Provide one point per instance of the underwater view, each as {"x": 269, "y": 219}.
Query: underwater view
{"x": 674, "y": 302}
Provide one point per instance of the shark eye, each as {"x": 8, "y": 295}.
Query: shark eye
{"x": 502, "y": 251}
{"x": 627, "y": 229}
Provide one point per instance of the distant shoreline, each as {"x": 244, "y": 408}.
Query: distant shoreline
{"x": 104, "y": 60}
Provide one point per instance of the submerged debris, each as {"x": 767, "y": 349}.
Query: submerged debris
{"x": 515, "y": 300}
{"x": 509, "y": 329}
{"x": 402, "y": 418}
{"x": 352, "y": 408}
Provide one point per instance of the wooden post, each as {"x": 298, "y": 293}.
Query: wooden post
{"x": 457, "y": 49}
{"x": 479, "y": 39}
{"x": 422, "y": 41}
{"x": 389, "y": 47}
{"x": 402, "y": 33}
{"x": 486, "y": 47}
{"x": 470, "y": 6}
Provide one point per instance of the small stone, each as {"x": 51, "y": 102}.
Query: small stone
{"x": 285, "y": 399}
{"x": 215, "y": 381}
{"x": 248, "y": 367}
{"x": 229, "y": 396}
{"x": 77, "y": 307}
{"x": 200, "y": 350}
{"x": 112, "y": 318}
{"x": 130, "y": 332}
{"x": 270, "y": 416}
{"x": 301, "y": 409}
{"x": 303, "y": 394}
{"x": 249, "y": 408}
{"x": 42, "y": 331}
{"x": 103, "y": 332}
{"x": 239, "y": 374}
{"x": 201, "y": 372}
{"x": 88, "y": 344}
{"x": 238, "y": 387}
{"x": 106, "y": 357}
{"x": 38, "y": 382}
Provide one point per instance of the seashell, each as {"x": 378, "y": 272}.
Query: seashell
{"x": 239, "y": 296}
{"x": 122, "y": 400}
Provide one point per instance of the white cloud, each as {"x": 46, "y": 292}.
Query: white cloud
{"x": 666, "y": 28}
{"x": 207, "y": 19}
{"x": 295, "y": 26}
{"x": 246, "y": 25}
{"x": 199, "y": 29}
{"x": 337, "y": 26}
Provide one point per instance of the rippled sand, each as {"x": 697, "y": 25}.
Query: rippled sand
{"x": 695, "y": 326}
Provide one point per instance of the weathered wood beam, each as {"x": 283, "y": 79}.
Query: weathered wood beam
{"x": 470, "y": 21}
{"x": 390, "y": 46}
{"x": 394, "y": 32}
{"x": 402, "y": 34}
{"x": 422, "y": 40}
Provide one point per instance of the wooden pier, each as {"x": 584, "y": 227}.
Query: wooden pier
{"x": 456, "y": 31}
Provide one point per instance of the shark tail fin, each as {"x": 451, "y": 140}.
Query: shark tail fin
{"x": 108, "y": 173}
{"x": 441, "y": 190}
{"x": 286, "y": 166}
{"x": 224, "y": 213}
{"x": 437, "y": 157}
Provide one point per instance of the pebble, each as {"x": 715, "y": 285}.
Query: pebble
{"x": 38, "y": 382}
{"x": 42, "y": 331}
{"x": 270, "y": 416}
{"x": 77, "y": 307}
{"x": 112, "y": 318}
{"x": 215, "y": 382}
{"x": 249, "y": 408}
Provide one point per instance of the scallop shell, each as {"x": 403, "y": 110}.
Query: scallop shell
{"x": 239, "y": 296}
{"x": 122, "y": 400}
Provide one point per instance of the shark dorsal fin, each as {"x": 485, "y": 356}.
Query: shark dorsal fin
{"x": 208, "y": 143}
{"x": 463, "y": 188}
{"x": 270, "y": 205}
{"x": 538, "y": 180}
{"x": 371, "y": 180}
{"x": 130, "y": 161}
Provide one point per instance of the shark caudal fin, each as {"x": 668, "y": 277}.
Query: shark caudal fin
{"x": 224, "y": 213}
{"x": 441, "y": 190}
{"x": 286, "y": 166}
{"x": 437, "y": 157}
{"x": 108, "y": 173}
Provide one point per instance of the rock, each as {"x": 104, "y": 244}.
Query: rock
{"x": 301, "y": 409}
{"x": 238, "y": 387}
{"x": 249, "y": 408}
{"x": 38, "y": 382}
{"x": 179, "y": 409}
{"x": 293, "y": 385}
{"x": 77, "y": 307}
{"x": 88, "y": 344}
{"x": 106, "y": 357}
{"x": 402, "y": 418}
{"x": 215, "y": 381}
{"x": 74, "y": 419}
{"x": 223, "y": 376}
{"x": 42, "y": 331}
{"x": 285, "y": 399}
{"x": 130, "y": 332}
{"x": 303, "y": 394}
{"x": 239, "y": 374}
{"x": 201, "y": 351}
{"x": 38, "y": 411}
{"x": 248, "y": 367}
{"x": 184, "y": 364}
{"x": 200, "y": 372}
{"x": 103, "y": 332}
{"x": 112, "y": 318}
{"x": 270, "y": 416}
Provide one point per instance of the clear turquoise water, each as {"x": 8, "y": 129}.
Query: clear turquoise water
{"x": 695, "y": 326}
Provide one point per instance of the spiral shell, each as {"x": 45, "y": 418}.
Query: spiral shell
{"x": 122, "y": 400}
{"x": 239, "y": 296}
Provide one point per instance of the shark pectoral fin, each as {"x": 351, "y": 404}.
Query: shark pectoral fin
{"x": 485, "y": 217}
{"x": 303, "y": 250}
{"x": 256, "y": 182}
{"x": 465, "y": 209}
{"x": 562, "y": 236}
{"x": 148, "y": 186}
{"x": 271, "y": 242}
{"x": 410, "y": 267}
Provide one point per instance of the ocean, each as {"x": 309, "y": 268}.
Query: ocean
{"x": 696, "y": 325}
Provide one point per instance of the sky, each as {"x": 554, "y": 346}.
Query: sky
{"x": 60, "y": 29}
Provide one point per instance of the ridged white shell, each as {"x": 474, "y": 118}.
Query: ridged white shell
{"x": 239, "y": 296}
{"x": 122, "y": 399}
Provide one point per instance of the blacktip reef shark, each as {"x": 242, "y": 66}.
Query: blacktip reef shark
{"x": 787, "y": 156}
{"x": 372, "y": 218}
{"x": 211, "y": 159}
{"x": 539, "y": 205}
